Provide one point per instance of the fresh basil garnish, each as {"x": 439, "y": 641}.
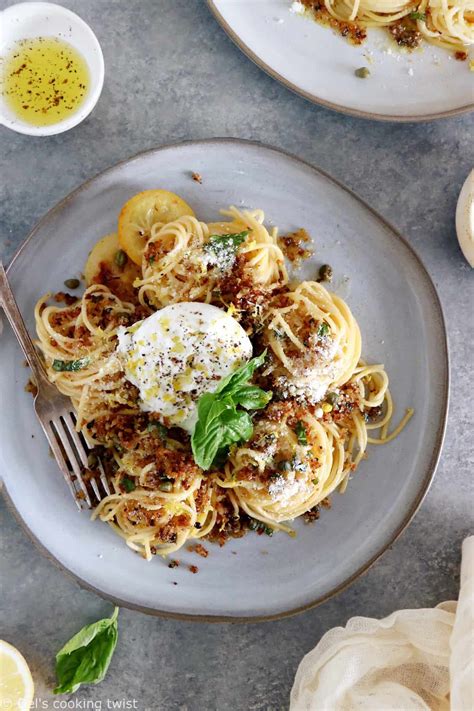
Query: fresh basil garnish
{"x": 220, "y": 423}
{"x": 417, "y": 16}
{"x": 86, "y": 657}
{"x": 70, "y": 366}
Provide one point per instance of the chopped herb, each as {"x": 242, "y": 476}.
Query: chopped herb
{"x": 323, "y": 329}
{"x": 151, "y": 259}
{"x": 278, "y": 333}
{"x": 417, "y": 16}
{"x": 120, "y": 258}
{"x": 260, "y": 527}
{"x": 315, "y": 481}
{"x": 362, "y": 72}
{"x": 128, "y": 484}
{"x": 300, "y": 432}
{"x": 224, "y": 248}
{"x": 70, "y": 366}
{"x": 72, "y": 283}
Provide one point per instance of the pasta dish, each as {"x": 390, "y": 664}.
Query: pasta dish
{"x": 445, "y": 23}
{"x": 219, "y": 395}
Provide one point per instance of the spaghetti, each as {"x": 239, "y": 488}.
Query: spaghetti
{"x": 446, "y": 23}
{"x": 304, "y": 444}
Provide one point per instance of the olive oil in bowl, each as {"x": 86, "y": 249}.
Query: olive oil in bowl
{"x": 44, "y": 80}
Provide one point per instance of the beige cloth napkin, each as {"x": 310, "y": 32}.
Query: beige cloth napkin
{"x": 413, "y": 660}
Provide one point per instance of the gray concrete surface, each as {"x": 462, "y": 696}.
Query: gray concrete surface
{"x": 173, "y": 74}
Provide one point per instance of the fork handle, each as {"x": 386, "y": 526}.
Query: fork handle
{"x": 12, "y": 312}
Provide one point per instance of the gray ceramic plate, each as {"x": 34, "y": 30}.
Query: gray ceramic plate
{"x": 318, "y": 64}
{"x": 399, "y": 313}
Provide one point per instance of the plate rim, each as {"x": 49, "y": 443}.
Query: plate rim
{"x": 317, "y": 100}
{"x": 440, "y": 434}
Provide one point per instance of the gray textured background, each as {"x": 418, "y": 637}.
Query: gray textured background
{"x": 172, "y": 74}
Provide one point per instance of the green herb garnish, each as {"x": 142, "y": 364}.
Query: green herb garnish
{"x": 128, "y": 484}
{"x": 86, "y": 657}
{"x": 323, "y": 329}
{"x": 223, "y": 248}
{"x": 300, "y": 432}
{"x": 220, "y": 423}
{"x": 70, "y": 366}
{"x": 417, "y": 16}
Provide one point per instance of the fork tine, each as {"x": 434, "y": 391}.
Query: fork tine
{"x": 75, "y": 436}
{"x": 52, "y": 438}
{"x": 83, "y": 448}
{"x": 103, "y": 478}
{"x": 72, "y": 458}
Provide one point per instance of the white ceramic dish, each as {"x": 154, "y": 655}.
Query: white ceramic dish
{"x": 44, "y": 19}
{"x": 316, "y": 63}
{"x": 399, "y": 313}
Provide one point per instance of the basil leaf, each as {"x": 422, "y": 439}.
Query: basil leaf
{"x": 86, "y": 657}
{"x": 252, "y": 397}
{"x": 219, "y": 422}
{"x": 233, "y": 382}
{"x": 417, "y": 16}
{"x": 70, "y": 366}
{"x": 236, "y": 427}
{"x": 207, "y": 437}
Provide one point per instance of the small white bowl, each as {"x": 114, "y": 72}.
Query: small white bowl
{"x": 43, "y": 19}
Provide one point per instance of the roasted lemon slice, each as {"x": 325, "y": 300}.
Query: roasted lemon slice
{"x": 109, "y": 264}
{"x": 16, "y": 683}
{"x": 141, "y": 212}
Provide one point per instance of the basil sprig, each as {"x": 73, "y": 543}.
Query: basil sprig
{"x": 70, "y": 366}
{"x": 86, "y": 657}
{"x": 220, "y": 423}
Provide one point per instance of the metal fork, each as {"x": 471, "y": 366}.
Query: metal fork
{"x": 54, "y": 411}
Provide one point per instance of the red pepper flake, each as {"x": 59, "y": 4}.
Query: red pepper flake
{"x": 193, "y": 568}
{"x": 173, "y": 564}
{"x": 197, "y": 177}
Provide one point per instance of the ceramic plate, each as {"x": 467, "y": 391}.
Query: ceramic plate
{"x": 400, "y": 317}
{"x": 316, "y": 63}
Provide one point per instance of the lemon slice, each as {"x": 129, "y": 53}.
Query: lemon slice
{"x": 141, "y": 212}
{"x": 108, "y": 264}
{"x": 16, "y": 683}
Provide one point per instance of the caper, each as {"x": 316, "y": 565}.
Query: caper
{"x": 325, "y": 273}
{"x": 331, "y": 398}
{"x": 72, "y": 283}
{"x": 120, "y": 258}
{"x": 362, "y": 72}
{"x": 166, "y": 485}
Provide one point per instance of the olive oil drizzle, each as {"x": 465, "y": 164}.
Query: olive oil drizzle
{"x": 44, "y": 80}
